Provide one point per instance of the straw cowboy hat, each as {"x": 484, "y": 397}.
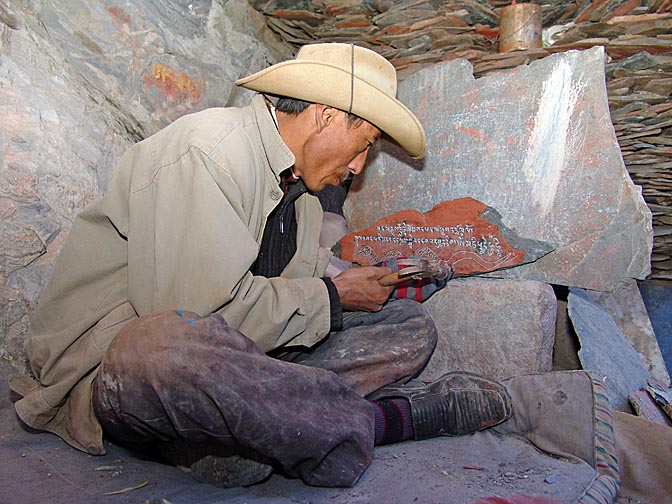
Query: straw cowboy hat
{"x": 350, "y": 78}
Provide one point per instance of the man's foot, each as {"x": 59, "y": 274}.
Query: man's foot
{"x": 456, "y": 404}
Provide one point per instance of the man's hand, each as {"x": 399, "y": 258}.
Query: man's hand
{"x": 359, "y": 288}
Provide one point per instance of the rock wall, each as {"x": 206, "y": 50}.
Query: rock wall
{"x": 79, "y": 83}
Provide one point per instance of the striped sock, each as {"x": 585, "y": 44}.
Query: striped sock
{"x": 394, "y": 422}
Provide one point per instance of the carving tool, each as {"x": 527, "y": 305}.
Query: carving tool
{"x": 416, "y": 268}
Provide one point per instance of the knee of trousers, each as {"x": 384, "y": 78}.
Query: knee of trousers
{"x": 163, "y": 342}
{"x": 162, "y": 358}
{"x": 414, "y": 319}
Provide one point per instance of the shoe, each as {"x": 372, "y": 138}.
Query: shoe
{"x": 456, "y": 404}
{"x": 214, "y": 464}
{"x": 230, "y": 472}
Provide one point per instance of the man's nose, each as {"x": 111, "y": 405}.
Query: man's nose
{"x": 356, "y": 166}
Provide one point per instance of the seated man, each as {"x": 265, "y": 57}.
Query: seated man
{"x": 189, "y": 315}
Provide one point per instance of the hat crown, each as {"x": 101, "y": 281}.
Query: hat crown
{"x": 367, "y": 65}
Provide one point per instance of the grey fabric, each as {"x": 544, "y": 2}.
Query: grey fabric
{"x": 375, "y": 349}
{"x": 175, "y": 376}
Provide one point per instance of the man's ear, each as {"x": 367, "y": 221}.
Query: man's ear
{"x": 324, "y": 116}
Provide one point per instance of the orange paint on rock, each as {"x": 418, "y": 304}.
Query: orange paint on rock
{"x": 358, "y": 23}
{"x": 626, "y": 8}
{"x": 474, "y": 133}
{"x": 422, "y": 105}
{"x": 119, "y": 15}
{"x": 457, "y": 232}
{"x": 396, "y": 30}
{"x": 473, "y": 94}
{"x": 175, "y": 86}
{"x": 486, "y": 31}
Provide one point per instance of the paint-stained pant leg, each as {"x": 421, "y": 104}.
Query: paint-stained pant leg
{"x": 164, "y": 379}
{"x": 376, "y": 349}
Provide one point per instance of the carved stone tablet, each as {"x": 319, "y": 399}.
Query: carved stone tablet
{"x": 465, "y": 233}
{"x": 536, "y": 143}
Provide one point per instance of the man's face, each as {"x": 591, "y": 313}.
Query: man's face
{"x": 336, "y": 150}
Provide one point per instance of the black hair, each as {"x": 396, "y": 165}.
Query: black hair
{"x": 295, "y": 106}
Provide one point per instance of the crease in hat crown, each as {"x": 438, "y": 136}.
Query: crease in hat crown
{"x": 322, "y": 73}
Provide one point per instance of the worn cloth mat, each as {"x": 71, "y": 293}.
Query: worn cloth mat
{"x": 567, "y": 414}
{"x": 644, "y": 452}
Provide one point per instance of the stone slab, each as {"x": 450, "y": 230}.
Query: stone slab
{"x": 657, "y": 297}
{"x": 463, "y": 233}
{"x": 645, "y": 406}
{"x": 496, "y": 327}
{"x": 605, "y": 351}
{"x": 627, "y": 309}
{"x": 537, "y": 144}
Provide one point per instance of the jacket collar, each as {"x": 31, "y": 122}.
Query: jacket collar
{"x": 278, "y": 154}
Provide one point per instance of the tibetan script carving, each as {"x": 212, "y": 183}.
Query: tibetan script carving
{"x": 464, "y": 233}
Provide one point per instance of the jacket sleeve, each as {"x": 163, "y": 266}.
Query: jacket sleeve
{"x": 191, "y": 245}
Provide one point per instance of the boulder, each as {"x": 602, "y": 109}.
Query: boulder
{"x": 627, "y": 309}
{"x": 496, "y": 327}
{"x": 605, "y": 351}
{"x": 464, "y": 234}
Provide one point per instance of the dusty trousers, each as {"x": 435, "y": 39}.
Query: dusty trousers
{"x": 175, "y": 376}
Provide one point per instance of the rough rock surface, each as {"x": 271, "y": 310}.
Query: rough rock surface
{"x": 635, "y": 36}
{"x": 605, "y": 351}
{"x": 79, "y": 83}
{"x": 537, "y": 144}
{"x": 627, "y": 309}
{"x": 497, "y": 327}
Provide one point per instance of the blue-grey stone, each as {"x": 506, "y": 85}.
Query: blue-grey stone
{"x": 604, "y": 349}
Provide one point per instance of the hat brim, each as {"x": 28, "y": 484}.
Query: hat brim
{"x": 318, "y": 82}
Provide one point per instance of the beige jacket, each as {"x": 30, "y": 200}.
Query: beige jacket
{"x": 179, "y": 228}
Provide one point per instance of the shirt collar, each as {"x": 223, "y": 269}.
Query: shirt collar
{"x": 277, "y": 153}
{"x": 291, "y": 176}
